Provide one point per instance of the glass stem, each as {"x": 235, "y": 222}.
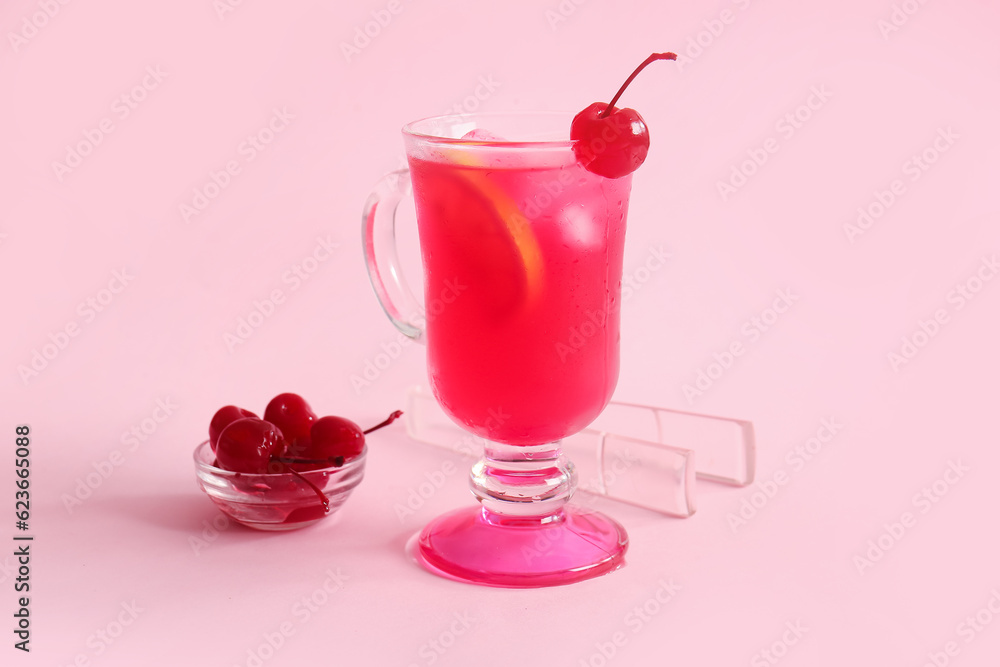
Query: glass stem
{"x": 523, "y": 481}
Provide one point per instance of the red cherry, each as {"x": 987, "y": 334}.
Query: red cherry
{"x": 336, "y": 436}
{"x": 612, "y": 142}
{"x": 333, "y": 441}
{"x": 256, "y": 446}
{"x": 611, "y": 146}
{"x": 291, "y": 414}
{"x": 248, "y": 445}
{"x": 223, "y": 418}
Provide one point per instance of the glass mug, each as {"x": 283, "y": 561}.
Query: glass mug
{"x": 522, "y": 257}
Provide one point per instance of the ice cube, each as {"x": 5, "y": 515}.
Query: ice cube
{"x": 480, "y": 134}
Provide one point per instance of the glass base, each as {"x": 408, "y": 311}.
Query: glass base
{"x": 477, "y": 546}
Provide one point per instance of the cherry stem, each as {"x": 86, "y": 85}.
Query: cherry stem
{"x": 322, "y": 496}
{"x": 653, "y": 57}
{"x": 337, "y": 461}
{"x": 393, "y": 417}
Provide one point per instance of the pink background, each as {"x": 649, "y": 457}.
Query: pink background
{"x": 889, "y": 91}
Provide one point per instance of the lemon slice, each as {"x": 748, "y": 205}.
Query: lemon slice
{"x": 515, "y": 223}
{"x": 470, "y": 243}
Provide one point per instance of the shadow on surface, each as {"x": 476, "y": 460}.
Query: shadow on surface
{"x": 182, "y": 512}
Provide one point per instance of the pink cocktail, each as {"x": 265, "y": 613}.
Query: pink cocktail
{"x": 522, "y": 255}
{"x": 527, "y": 350}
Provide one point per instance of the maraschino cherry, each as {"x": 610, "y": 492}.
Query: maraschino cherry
{"x": 334, "y": 440}
{"x": 613, "y": 142}
{"x": 223, "y": 418}
{"x": 288, "y": 440}
{"x": 255, "y": 447}
{"x": 336, "y": 436}
{"x": 294, "y": 417}
{"x": 249, "y": 445}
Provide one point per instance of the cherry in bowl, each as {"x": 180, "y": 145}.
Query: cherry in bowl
{"x": 277, "y": 501}
{"x": 285, "y": 471}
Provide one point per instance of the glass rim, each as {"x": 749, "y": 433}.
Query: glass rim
{"x": 409, "y": 129}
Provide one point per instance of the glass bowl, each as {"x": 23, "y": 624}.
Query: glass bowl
{"x": 276, "y": 501}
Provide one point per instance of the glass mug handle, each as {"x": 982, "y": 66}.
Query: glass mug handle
{"x": 378, "y": 228}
